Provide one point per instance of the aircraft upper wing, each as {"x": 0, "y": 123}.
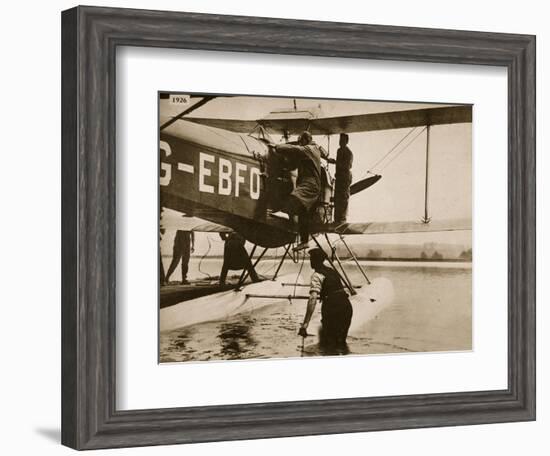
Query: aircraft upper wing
{"x": 391, "y": 120}
{"x": 236, "y": 125}
{"x": 404, "y": 227}
{"x": 348, "y": 124}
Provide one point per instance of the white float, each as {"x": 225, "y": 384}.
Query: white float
{"x": 367, "y": 303}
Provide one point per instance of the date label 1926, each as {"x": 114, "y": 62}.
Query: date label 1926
{"x": 179, "y": 99}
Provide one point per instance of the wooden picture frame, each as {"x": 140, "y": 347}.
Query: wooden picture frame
{"x": 90, "y": 37}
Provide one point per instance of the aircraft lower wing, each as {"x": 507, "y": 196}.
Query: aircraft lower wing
{"x": 404, "y": 227}
{"x": 192, "y": 224}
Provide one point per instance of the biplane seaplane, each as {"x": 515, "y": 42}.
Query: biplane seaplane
{"x": 224, "y": 175}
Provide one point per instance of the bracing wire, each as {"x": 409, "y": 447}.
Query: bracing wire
{"x": 275, "y": 261}
{"x": 204, "y": 256}
{"x": 403, "y": 149}
{"x": 225, "y": 138}
{"x": 391, "y": 150}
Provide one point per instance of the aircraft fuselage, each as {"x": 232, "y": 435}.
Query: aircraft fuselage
{"x": 222, "y": 177}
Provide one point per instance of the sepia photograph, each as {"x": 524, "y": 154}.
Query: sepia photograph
{"x": 298, "y": 227}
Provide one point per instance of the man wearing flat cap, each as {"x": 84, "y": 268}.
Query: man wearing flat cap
{"x": 336, "y": 310}
{"x": 306, "y": 158}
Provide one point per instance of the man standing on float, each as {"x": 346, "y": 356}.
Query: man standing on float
{"x": 344, "y": 162}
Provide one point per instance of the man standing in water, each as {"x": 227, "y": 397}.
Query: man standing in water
{"x": 344, "y": 162}
{"x": 336, "y": 310}
{"x": 184, "y": 245}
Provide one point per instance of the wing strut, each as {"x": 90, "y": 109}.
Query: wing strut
{"x": 427, "y": 219}
{"x": 355, "y": 260}
{"x": 281, "y": 262}
{"x": 337, "y": 258}
{"x": 344, "y": 281}
{"x": 244, "y": 274}
{"x": 187, "y": 111}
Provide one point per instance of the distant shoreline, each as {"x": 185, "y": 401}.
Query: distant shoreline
{"x": 418, "y": 260}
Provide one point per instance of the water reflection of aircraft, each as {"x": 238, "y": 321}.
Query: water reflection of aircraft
{"x": 223, "y": 175}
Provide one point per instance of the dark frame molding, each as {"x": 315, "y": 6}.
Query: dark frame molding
{"x": 90, "y": 36}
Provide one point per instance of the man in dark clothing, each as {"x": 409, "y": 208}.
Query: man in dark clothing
{"x": 184, "y": 245}
{"x": 344, "y": 162}
{"x": 306, "y": 158}
{"x": 336, "y": 310}
{"x": 235, "y": 256}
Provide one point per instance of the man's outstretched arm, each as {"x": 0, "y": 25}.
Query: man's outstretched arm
{"x": 311, "y": 303}
{"x": 290, "y": 151}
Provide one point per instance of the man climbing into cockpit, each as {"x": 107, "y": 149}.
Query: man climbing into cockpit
{"x": 305, "y": 157}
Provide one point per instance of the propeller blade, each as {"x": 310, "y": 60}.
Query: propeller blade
{"x": 363, "y": 184}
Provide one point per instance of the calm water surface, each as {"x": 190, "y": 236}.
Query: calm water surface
{"x": 431, "y": 311}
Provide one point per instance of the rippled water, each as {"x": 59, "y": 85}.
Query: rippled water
{"x": 431, "y": 311}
